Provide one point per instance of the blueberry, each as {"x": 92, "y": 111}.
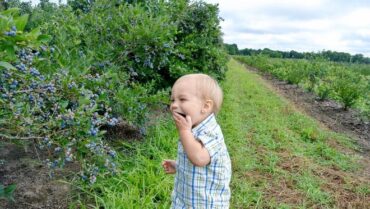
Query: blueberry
{"x": 83, "y": 177}
{"x": 93, "y": 131}
{"x": 34, "y": 72}
{"x": 10, "y": 33}
{"x": 21, "y": 67}
{"x": 14, "y": 84}
{"x": 63, "y": 125}
{"x": 112, "y": 153}
{"x": 113, "y": 121}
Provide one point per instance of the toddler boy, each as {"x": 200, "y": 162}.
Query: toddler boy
{"x": 203, "y": 167}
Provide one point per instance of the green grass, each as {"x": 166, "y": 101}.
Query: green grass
{"x": 142, "y": 183}
{"x": 280, "y": 157}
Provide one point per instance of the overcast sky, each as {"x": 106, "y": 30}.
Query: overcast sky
{"x": 312, "y": 25}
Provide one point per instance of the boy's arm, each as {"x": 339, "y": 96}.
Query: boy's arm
{"x": 196, "y": 152}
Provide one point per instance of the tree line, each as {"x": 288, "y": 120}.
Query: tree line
{"x": 334, "y": 56}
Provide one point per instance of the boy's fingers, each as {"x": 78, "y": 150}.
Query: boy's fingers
{"x": 166, "y": 164}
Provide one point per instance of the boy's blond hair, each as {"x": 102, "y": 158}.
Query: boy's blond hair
{"x": 208, "y": 89}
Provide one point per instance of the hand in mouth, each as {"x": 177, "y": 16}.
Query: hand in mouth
{"x": 182, "y": 114}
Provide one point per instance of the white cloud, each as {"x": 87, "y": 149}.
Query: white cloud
{"x": 312, "y": 25}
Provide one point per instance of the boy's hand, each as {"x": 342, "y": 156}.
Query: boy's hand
{"x": 183, "y": 123}
{"x": 169, "y": 166}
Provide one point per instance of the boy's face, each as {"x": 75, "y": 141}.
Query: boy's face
{"x": 186, "y": 101}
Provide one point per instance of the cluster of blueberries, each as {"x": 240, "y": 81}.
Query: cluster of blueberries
{"x": 26, "y": 84}
{"x": 12, "y": 32}
{"x": 90, "y": 173}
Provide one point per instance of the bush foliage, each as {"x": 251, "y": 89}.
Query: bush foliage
{"x": 326, "y": 79}
{"x": 67, "y": 72}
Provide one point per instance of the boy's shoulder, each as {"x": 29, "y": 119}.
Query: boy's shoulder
{"x": 209, "y": 124}
{"x": 211, "y": 130}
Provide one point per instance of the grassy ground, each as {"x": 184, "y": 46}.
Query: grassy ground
{"x": 280, "y": 157}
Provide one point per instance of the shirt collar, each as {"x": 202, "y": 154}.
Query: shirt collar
{"x": 209, "y": 120}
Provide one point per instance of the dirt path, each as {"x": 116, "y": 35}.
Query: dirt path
{"x": 329, "y": 113}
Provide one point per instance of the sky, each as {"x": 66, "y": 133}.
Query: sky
{"x": 304, "y": 26}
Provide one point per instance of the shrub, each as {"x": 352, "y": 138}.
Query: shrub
{"x": 151, "y": 42}
{"x": 348, "y": 87}
{"x": 323, "y": 89}
{"x": 76, "y": 72}
{"x": 56, "y": 111}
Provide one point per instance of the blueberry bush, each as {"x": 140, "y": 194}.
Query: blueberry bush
{"x": 55, "y": 111}
{"x": 326, "y": 79}
{"x": 70, "y": 72}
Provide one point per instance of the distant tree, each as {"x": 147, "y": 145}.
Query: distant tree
{"x": 278, "y": 54}
{"x": 232, "y": 49}
{"x": 357, "y": 58}
{"x": 247, "y": 51}
{"x": 266, "y": 51}
{"x": 325, "y": 55}
{"x": 336, "y": 56}
{"x": 367, "y": 60}
{"x": 309, "y": 55}
{"x": 271, "y": 53}
{"x": 295, "y": 55}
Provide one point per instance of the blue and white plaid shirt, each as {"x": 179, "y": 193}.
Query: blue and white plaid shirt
{"x": 203, "y": 187}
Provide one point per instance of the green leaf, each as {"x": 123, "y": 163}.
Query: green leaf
{"x": 8, "y": 49}
{"x": 10, "y": 189}
{"x": 44, "y": 38}
{"x": 34, "y": 34}
{"x": 7, "y": 192}
{"x": 64, "y": 104}
{"x": 11, "y": 12}
{"x": 20, "y": 22}
{"x": 7, "y": 65}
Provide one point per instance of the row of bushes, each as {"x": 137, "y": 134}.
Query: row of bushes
{"x": 326, "y": 79}
{"x": 67, "y": 75}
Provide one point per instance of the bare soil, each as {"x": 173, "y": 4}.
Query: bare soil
{"x": 21, "y": 165}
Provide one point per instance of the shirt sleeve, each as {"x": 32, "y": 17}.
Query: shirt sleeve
{"x": 210, "y": 141}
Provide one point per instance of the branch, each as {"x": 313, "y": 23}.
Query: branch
{"x": 21, "y": 138}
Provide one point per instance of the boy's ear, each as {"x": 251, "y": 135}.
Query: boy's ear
{"x": 208, "y": 106}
